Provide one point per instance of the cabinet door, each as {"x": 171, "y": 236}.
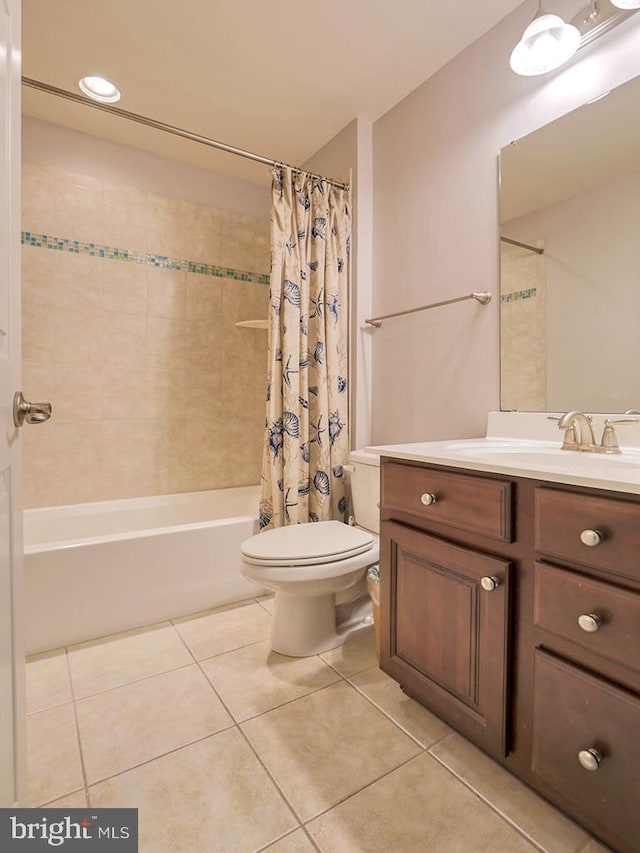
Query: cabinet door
{"x": 444, "y": 637}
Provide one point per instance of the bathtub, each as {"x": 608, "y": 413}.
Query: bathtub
{"x": 98, "y": 568}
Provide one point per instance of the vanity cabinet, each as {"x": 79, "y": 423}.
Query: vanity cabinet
{"x": 511, "y": 608}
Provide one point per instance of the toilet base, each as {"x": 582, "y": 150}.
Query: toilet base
{"x": 307, "y": 625}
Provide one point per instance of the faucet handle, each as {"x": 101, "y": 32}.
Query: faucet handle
{"x": 631, "y": 412}
{"x": 570, "y": 440}
{"x": 609, "y": 443}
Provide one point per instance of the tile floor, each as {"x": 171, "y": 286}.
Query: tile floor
{"x": 226, "y": 747}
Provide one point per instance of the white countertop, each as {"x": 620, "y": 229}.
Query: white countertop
{"x": 505, "y": 450}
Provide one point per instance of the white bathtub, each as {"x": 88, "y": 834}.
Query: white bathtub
{"x": 99, "y": 568}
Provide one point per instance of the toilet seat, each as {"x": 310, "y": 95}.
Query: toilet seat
{"x": 319, "y": 543}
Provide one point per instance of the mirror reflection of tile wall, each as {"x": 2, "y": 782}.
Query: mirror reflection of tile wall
{"x": 130, "y": 301}
{"x": 523, "y": 345}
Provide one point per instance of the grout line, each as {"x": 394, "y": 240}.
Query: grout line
{"x": 48, "y": 805}
{"x": 75, "y": 717}
{"x": 133, "y": 681}
{"x": 494, "y": 808}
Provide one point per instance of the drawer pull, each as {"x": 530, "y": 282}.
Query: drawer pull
{"x": 589, "y": 759}
{"x": 591, "y": 538}
{"x": 590, "y": 622}
{"x": 428, "y": 498}
{"x": 490, "y": 583}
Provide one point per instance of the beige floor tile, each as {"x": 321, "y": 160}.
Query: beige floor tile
{"x": 220, "y": 631}
{"x": 47, "y": 681}
{"x": 325, "y": 746}
{"x": 213, "y": 795}
{"x": 129, "y": 725}
{"x": 297, "y": 842}
{"x": 541, "y": 822}
{"x": 78, "y": 800}
{"x": 53, "y": 756}
{"x": 123, "y": 658}
{"x": 419, "y": 807}
{"x": 254, "y": 679}
{"x": 268, "y": 602}
{"x": 411, "y": 715}
{"x": 356, "y": 654}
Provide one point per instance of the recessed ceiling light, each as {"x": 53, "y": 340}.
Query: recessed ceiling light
{"x": 99, "y": 89}
{"x": 626, "y": 4}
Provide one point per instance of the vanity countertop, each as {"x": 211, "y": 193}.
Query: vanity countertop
{"x": 506, "y": 450}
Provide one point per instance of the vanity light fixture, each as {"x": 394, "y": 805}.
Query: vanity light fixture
{"x": 546, "y": 44}
{"x": 99, "y": 89}
{"x": 626, "y": 4}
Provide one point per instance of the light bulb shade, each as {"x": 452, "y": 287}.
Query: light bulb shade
{"x": 546, "y": 44}
{"x": 99, "y": 89}
{"x": 626, "y": 4}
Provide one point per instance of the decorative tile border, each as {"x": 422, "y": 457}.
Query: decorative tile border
{"x": 519, "y": 295}
{"x": 95, "y": 250}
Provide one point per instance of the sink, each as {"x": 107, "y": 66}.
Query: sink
{"x": 540, "y": 455}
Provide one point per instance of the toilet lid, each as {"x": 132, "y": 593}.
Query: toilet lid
{"x": 304, "y": 544}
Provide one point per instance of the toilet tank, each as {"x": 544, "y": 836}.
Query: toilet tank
{"x": 364, "y": 477}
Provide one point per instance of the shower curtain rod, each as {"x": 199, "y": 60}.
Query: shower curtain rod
{"x": 168, "y": 128}
{"x": 535, "y": 249}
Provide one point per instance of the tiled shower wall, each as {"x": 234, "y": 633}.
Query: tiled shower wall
{"x": 523, "y": 338}
{"x": 130, "y": 301}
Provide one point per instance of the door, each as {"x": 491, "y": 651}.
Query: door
{"x": 445, "y": 630}
{"x": 12, "y": 723}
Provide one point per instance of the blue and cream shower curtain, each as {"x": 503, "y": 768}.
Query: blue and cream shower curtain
{"x": 306, "y": 436}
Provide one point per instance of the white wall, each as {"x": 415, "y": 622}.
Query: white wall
{"x": 348, "y": 156}
{"x": 436, "y": 221}
{"x": 72, "y": 151}
{"x": 592, "y": 258}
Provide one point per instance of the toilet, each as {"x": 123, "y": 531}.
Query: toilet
{"x": 318, "y": 570}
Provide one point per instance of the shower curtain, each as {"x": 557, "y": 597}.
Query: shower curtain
{"x": 306, "y": 435}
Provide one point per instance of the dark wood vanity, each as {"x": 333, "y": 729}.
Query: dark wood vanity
{"x": 484, "y": 579}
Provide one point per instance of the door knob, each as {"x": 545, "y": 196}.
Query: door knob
{"x": 32, "y": 413}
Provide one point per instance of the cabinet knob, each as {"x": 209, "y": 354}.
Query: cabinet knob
{"x": 428, "y": 498}
{"x": 591, "y": 538}
{"x": 590, "y": 622}
{"x": 490, "y": 583}
{"x": 589, "y": 759}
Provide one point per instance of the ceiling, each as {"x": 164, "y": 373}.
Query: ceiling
{"x": 276, "y": 77}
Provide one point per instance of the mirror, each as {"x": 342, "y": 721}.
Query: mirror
{"x": 570, "y": 261}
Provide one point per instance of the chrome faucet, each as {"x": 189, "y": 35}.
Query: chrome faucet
{"x": 587, "y": 440}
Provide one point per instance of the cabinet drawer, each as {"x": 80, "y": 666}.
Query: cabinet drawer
{"x": 474, "y": 504}
{"x": 561, "y": 518}
{"x": 562, "y": 597}
{"x": 575, "y": 712}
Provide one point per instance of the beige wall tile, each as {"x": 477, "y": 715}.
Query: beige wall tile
{"x": 204, "y": 234}
{"x": 38, "y": 333}
{"x": 125, "y": 287}
{"x": 38, "y": 382}
{"x": 38, "y": 285}
{"x": 238, "y": 249}
{"x": 77, "y": 393}
{"x": 125, "y": 218}
{"x": 166, "y": 226}
{"x": 123, "y": 392}
{"x": 126, "y": 447}
{"x": 167, "y": 394}
{"x": 79, "y": 208}
{"x": 166, "y": 293}
{"x": 79, "y": 449}
{"x": 125, "y": 340}
{"x": 79, "y": 337}
{"x": 166, "y": 341}
{"x": 38, "y": 198}
{"x": 204, "y": 298}
{"x": 77, "y": 281}
{"x": 262, "y": 243}
{"x": 204, "y": 347}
